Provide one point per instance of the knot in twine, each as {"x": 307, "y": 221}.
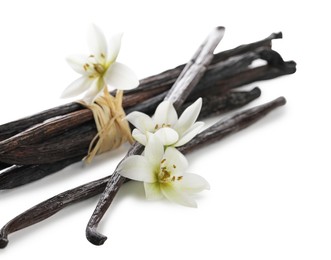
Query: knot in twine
{"x": 113, "y": 129}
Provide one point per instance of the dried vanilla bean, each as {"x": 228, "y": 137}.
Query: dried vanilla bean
{"x": 42, "y": 132}
{"x": 167, "y": 77}
{"x": 23, "y": 174}
{"x": 228, "y": 102}
{"x": 233, "y": 124}
{"x": 187, "y": 80}
{"x": 67, "y": 145}
{"x": 214, "y": 105}
{"x": 53, "y": 205}
{"x": 4, "y": 166}
{"x": 9, "y": 129}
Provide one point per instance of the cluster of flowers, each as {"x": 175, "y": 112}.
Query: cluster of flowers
{"x": 162, "y": 167}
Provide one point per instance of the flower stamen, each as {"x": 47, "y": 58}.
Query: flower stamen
{"x": 99, "y": 68}
{"x": 166, "y": 176}
{"x": 86, "y": 66}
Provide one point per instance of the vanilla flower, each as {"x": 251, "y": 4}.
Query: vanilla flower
{"x": 165, "y": 124}
{"x": 100, "y": 68}
{"x": 163, "y": 172}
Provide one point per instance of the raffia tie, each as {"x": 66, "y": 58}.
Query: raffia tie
{"x": 113, "y": 129}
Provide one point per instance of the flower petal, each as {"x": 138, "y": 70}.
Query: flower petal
{"x": 154, "y": 151}
{"x": 97, "y": 43}
{"x": 141, "y": 121}
{"x": 77, "y": 87}
{"x": 119, "y": 76}
{"x": 167, "y": 135}
{"x": 193, "y": 183}
{"x": 165, "y": 113}
{"x": 139, "y": 136}
{"x": 190, "y": 133}
{"x": 95, "y": 90}
{"x": 189, "y": 116}
{"x": 175, "y": 160}
{"x": 114, "y": 47}
{"x": 137, "y": 167}
{"x": 77, "y": 63}
{"x": 175, "y": 195}
{"x": 153, "y": 191}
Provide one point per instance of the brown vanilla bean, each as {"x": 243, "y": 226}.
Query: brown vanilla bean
{"x": 67, "y": 145}
{"x": 212, "y": 105}
{"x": 231, "y": 125}
{"x": 248, "y": 76}
{"x": 9, "y": 129}
{"x": 186, "y": 81}
{"x": 248, "y": 47}
{"x": 53, "y": 205}
{"x": 23, "y": 174}
{"x": 228, "y": 102}
{"x": 39, "y": 133}
{"x": 4, "y": 166}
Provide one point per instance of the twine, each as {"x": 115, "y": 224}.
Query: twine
{"x": 113, "y": 129}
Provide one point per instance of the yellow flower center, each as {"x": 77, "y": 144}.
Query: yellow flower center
{"x": 165, "y": 174}
{"x": 99, "y": 68}
{"x": 94, "y": 68}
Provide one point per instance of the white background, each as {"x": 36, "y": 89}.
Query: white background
{"x": 270, "y": 184}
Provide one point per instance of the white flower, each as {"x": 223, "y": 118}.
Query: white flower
{"x": 100, "y": 67}
{"x": 163, "y": 173}
{"x": 166, "y": 125}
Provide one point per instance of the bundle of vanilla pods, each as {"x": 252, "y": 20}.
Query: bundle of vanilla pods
{"x": 36, "y": 146}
